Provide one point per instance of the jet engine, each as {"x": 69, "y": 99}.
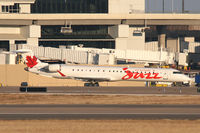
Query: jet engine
{"x": 54, "y": 68}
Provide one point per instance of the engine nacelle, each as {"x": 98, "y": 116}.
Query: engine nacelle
{"x": 54, "y": 68}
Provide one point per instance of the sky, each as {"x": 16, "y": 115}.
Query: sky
{"x": 156, "y": 6}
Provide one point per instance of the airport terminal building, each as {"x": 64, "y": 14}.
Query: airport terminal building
{"x": 112, "y": 24}
{"x": 97, "y": 34}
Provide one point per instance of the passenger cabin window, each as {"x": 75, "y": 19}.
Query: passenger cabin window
{"x": 177, "y": 72}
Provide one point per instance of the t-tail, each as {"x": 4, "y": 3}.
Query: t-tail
{"x": 31, "y": 60}
{"x": 34, "y": 62}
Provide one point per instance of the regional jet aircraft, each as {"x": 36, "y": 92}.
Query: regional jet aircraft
{"x": 92, "y": 75}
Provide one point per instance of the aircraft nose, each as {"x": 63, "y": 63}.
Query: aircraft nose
{"x": 190, "y": 80}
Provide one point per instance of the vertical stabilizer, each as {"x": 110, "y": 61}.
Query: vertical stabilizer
{"x": 30, "y": 59}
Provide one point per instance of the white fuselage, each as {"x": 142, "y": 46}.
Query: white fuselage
{"x": 114, "y": 73}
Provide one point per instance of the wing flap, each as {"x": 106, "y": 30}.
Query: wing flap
{"x": 88, "y": 79}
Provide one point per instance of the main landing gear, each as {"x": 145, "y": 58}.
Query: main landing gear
{"x": 96, "y": 84}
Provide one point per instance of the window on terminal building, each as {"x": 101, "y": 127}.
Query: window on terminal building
{"x": 4, "y": 46}
{"x": 5, "y": 9}
{"x": 20, "y": 42}
{"x": 79, "y": 32}
{"x": 97, "y": 33}
{"x": 10, "y": 8}
{"x": 70, "y": 6}
{"x": 93, "y": 44}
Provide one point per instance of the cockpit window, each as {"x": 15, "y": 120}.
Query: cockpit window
{"x": 177, "y": 72}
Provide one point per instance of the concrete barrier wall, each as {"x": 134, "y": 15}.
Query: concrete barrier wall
{"x": 3, "y": 74}
{"x": 13, "y": 75}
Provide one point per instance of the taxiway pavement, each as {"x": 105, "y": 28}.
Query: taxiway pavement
{"x": 113, "y": 90}
{"x": 15, "y": 112}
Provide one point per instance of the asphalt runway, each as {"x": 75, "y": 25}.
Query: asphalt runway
{"x": 113, "y": 90}
{"x": 22, "y": 112}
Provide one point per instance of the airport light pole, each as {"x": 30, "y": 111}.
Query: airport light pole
{"x": 163, "y": 6}
{"x": 183, "y": 6}
{"x": 147, "y": 6}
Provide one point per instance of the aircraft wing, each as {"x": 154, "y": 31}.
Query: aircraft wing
{"x": 88, "y": 79}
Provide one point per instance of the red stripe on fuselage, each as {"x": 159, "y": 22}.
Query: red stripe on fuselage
{"x": 61, "y": 73}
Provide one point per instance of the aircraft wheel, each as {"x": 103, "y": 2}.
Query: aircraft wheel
{"x": 91, "y": 84}
{"x": 87, "y": 84}
{"x": 96, "y": 84}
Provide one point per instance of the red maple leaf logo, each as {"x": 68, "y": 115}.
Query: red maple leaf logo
{"x": 31, "y": 62}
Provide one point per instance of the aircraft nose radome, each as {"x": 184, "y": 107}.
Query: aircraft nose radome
{"x": 189, "y": 79}
{"x": 192, "y": 80}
